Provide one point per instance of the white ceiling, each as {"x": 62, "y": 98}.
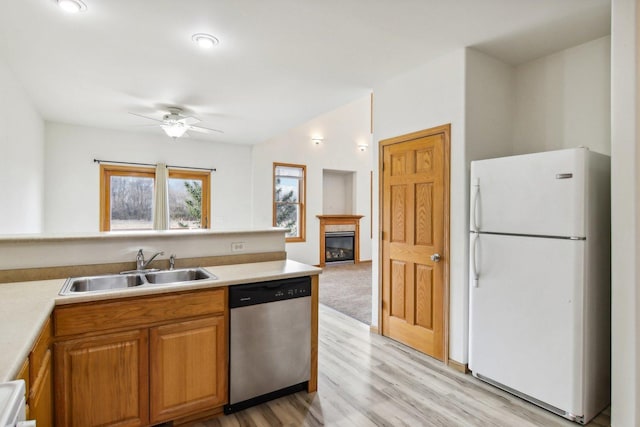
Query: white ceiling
{"x": 279, "y": 62}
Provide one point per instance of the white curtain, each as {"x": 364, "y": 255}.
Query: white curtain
{"x": 161, "y": 202}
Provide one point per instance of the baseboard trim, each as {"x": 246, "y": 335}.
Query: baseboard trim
{"x": 460, "y": 367}
{"x": 374, "y": 329}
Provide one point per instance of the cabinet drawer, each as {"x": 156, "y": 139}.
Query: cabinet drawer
{"x": 134, "y": 312}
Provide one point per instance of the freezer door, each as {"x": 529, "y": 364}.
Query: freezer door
{"x": 526, "y": 317}
{"x": 538, "y": 194}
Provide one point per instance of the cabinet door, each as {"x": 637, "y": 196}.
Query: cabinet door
{"x": 188, "y": 367}
{"x": 41, "y": 393}
{"x": 23, "y": 374}
{"x": 41, "y": 396}
{"x": 102, "y": 380}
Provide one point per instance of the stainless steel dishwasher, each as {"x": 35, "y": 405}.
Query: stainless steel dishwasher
{"x": 269, "y": 340}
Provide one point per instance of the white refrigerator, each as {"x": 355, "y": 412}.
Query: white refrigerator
{"x": 539, "y": 304}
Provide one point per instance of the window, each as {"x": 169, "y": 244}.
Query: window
{"x": 188, "y": 194}
{"x": 126, "y": 198}
{"x": 289, "y": 199}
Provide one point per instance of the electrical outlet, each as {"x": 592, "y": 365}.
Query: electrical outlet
{"x": 237, "y": 246}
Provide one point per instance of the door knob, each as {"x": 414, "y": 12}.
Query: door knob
{"x": 435, "y": 257}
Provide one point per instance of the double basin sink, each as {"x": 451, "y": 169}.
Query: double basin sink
{"x": 114, "y": 282}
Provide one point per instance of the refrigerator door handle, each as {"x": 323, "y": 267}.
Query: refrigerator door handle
{"x": 474, "y": 204}
{"x": 474, "y": 264}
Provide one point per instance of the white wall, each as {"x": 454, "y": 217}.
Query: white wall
{"x": 563, "y": 100}
{"x": 337, "y": 194}
{"x": 72, "y": 178}
{"x": 489, "y": 112}
{"x": 625, "y": 214}
{"x": 342, "y": 130}
{"x": 555, "y": 102}
{"x": 42, "y": 250}
{"x": 428, "y": 96}
{"x": 490, "y": 106}
{"x": 21, "y": 158}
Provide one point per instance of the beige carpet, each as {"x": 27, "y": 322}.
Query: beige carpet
{"x": 347, "y": 289}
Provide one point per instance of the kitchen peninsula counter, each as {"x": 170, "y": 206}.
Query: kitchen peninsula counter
{"x": 25, "y": 306}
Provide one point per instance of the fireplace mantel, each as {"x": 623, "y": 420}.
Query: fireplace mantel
{"x": 332, "y": 218}
{"x": 339, "y": 220}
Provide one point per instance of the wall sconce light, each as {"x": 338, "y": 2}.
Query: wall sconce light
{"x": 362, "y": 146}
{"x": 317, "y": 140}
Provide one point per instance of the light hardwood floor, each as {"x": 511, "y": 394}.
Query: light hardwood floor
{"x": 368, "y": 380}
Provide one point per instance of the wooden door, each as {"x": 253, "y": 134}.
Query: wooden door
{"x": 102, "y": 380}
{"x": 188, "y": 364}
{"x": 415, "y": 204}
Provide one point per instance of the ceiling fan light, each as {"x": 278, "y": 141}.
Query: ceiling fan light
{"x": 205, "y": 41}
{"x": 175, "y": 130}
{"x": 72, "y": 6}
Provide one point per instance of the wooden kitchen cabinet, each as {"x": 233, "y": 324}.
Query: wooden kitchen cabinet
{"x": 36, "y": 373}
{"x": 41, "y": 395}
{"x": 23, "y": 374}
{"x": 188, "y": 367}
{"x": 102, "y": 380}
{"x": 140, "y": 361}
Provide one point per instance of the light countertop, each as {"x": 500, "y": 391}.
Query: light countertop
{"x": 138, "y": 234}
{"x": 25, "y": 306}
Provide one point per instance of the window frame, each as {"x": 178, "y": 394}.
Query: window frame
{"x": 107, "y": 171}
{"x": 302, "y": 192}
{"x": 205, "y": 177}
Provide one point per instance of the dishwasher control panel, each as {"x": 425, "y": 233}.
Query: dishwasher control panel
{"x": 264, "y": 292}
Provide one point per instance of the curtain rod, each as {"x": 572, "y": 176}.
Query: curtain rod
{"x": 151, "y": 164}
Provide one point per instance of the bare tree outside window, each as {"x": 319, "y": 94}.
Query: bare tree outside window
{"x": 127, "y": 198}
{"x": 288, "y": 199}
{"x": 131, "y": 203}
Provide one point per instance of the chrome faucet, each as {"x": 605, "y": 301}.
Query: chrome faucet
{"x": 172, "y": 262}
{"x": 141, "y": 264}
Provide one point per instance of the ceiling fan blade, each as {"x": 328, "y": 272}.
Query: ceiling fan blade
{"x": 204, "y": 130}
{"x": 190, "y": 120}
{"x": 145, "y": 117}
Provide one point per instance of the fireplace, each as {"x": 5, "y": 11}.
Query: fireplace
{"x": 339, "y": 247}
{"x": 339, "y": 232}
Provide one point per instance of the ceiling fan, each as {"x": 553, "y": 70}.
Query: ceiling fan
{"x": 175, "y": 124}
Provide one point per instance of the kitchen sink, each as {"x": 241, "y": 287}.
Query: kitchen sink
{"x": 101, "y": 283}
{"x": 182, "y": 275}
{"x": 115, "y": 282}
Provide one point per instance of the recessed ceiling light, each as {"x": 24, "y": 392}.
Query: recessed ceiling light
{"x": 205, "y": 41}
{"x": 72, "y": 6}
